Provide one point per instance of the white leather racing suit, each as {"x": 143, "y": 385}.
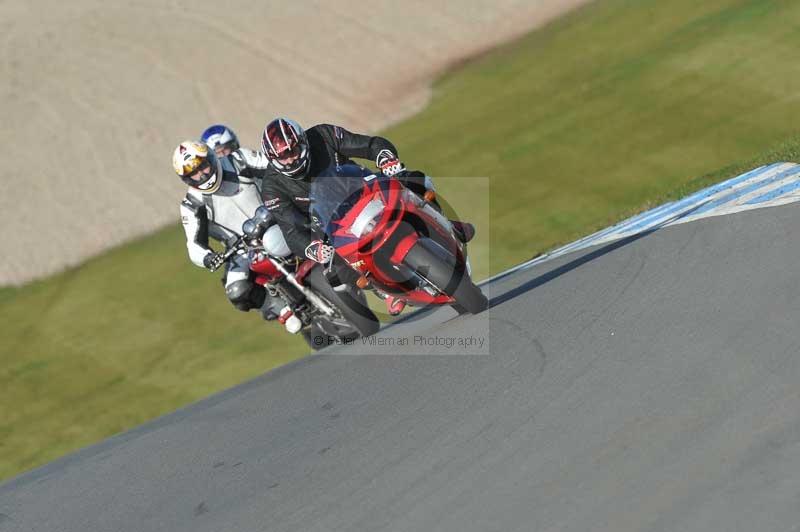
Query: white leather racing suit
{"x": 220, "y": 216}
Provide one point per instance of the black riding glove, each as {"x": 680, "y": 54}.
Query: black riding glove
{"x": 212, "y": 261}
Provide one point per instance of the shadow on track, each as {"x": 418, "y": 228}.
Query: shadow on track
{"x": 561, "y": 270}
{"x": 568, "y": 267}
{"x": 608, "y": 248}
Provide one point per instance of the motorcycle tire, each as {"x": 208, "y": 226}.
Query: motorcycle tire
{"x": 437, "y": 265}
{"x": 352, "y": 308}
{"x": 317, "y": 339}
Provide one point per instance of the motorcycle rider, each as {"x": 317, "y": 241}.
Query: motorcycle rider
{"x": 298, "y": 156}
{"x": 222, "y": 140}
{"x": 223, "y": 192}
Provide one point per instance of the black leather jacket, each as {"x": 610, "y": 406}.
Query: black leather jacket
{"x": 287, "y": 198}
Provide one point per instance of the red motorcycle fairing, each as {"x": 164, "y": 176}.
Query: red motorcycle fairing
{"x": 405, "y": 218}
{"x": 403, "y": 247}
{"x": 348, "y": 244}
{"x": 266, "y": 272}
{"x": 304, "y": 269}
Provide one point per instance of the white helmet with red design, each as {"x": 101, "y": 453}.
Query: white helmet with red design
{"x": 285, "y": 144}
{"x": 197, "y": 166}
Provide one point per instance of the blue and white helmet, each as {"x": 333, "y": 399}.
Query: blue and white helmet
{"x": 220, "y": 137}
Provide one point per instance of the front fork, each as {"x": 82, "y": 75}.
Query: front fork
{"x": 309, "y": 294}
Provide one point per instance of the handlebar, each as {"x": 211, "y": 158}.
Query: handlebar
{"x": 231, "y": 250}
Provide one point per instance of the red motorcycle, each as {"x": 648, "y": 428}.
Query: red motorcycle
{"x": 321, "y": 313}
{"x": 396, "y": 240}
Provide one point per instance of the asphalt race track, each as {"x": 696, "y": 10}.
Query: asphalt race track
{"x": 650, "y": 383}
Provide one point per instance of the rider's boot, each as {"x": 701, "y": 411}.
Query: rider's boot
{"x": 394, "y": 305}
{"x": 464, "y": 231}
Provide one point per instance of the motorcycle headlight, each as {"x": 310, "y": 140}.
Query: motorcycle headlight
{"x": 368, "y": 218}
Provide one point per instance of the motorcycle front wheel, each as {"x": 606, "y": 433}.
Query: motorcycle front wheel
{"x": 437, "y": 265}
{"x": 351, "y": 307}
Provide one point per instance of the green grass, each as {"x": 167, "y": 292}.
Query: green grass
{"x": 610, "y": 110}
{"x": 619, "y": 103}
{"x": 129, "y": 335}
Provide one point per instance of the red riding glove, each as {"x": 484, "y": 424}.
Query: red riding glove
{"x": 388, "y": 163}
{"x": 319, "y": 252}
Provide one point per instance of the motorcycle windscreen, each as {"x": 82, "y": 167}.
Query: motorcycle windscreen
{"x": 334, "y": 195}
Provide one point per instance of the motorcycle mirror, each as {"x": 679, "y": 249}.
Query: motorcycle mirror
{"x": 262, "y": 215}
{"x": 250, "y": 228}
